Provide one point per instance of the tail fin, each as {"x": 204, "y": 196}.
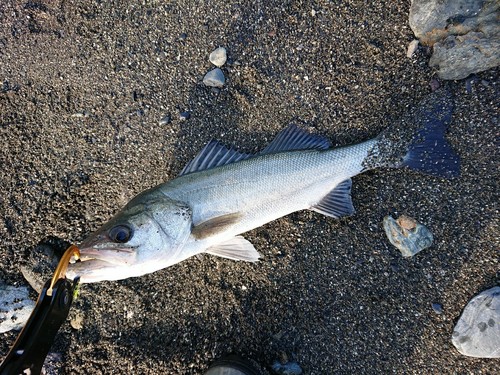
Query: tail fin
{"x": 418, "y": 142}
{"x": 429, "y": 152}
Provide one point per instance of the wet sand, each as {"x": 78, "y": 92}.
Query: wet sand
{"x": 84, "y": 86}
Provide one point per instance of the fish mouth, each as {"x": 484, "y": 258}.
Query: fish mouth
{"x": 101, "y": 263}
{"x": 118, "y": 256}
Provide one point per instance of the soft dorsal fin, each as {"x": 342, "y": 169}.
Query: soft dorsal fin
{"x": 214, "y": 154}
{"x": 295, "y": 138}
{"x": 338, "y": 202}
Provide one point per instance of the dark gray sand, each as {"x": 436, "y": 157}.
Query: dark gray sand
{"x": 84, "y": 84}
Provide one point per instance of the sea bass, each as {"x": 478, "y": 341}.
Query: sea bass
{"x": 223, "y": 193}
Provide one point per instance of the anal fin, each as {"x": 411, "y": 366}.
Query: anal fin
{"x": 237, "y": 248}
{"x": 337, "y": 203}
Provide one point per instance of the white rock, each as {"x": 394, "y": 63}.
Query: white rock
{"x": 477, "y": 333}
{"x": 412, "y": 47}
{"x": 15, "y": 307}
{"x": 218, "y": 57}
{"x": 214, "y": 78}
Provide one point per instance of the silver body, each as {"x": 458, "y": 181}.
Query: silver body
{"x": 263, "y": 188}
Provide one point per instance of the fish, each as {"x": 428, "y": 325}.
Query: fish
{"x": 223, "y": 193}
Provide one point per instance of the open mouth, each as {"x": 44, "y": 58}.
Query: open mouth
{"x": 97, "y": 264}
{"x": 112, "y": 255}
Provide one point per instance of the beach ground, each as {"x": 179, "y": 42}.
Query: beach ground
{"x": 84, "y": 85}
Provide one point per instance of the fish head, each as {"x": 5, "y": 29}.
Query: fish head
{"x": 145, "y": 236}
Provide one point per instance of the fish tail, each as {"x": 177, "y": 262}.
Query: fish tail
{"x": 419, "y": 142}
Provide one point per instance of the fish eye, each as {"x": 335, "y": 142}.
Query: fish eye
{"x": 120, "y": 233}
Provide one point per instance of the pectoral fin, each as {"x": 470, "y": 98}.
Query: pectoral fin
{"x": 237, "y": 248}
{"x": 215, "y": 225}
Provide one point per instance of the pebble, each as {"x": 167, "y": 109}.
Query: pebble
{"x": 16, "y": 307}
{"x": 434, "y": 84}
{"x": 218, "y": 57}
{"x": 477, "y": 332}
{"x": 165, "y": 120}
{"x": 77, "y": 322}
{"x": 289, "y": 368}
{"x": 412, "y": 47}
{"x": 438, "y": 308}
{"x": 183, "y": 116}
{"x": 214, "y": 78}
{"x": 407, "y": 235}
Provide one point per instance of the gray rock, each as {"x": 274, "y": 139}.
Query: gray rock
{"x": 465, "y": 34}
{"x": 15, "y": 307}
{"x": 218, "y": 57}
{"x": 429, "y": 18}
{"x": 214, "y": 78}
{"x": 407, "y": 235}
{"x": 459, "y": 56}
{"x": 477, "y": 333}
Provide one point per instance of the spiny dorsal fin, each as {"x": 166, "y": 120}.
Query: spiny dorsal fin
{"x": 214, "y": 154}
{"x": 215, "y": 225}
{"x": 295, "y": 138}
{"x": 338, "y": 202}
{"x": 236, "y": 248}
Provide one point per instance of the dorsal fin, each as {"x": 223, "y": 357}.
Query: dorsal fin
{"x": 214, "y": 154}
{"x": 295, "y": 138}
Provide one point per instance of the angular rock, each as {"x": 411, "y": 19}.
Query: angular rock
{"x": 218, "y": 57}
{"x": 477, "y": 332}
{"x": 433, "y": 20}
{"x": 407, "y": 235}
{"x": 465, "y": 34}
{"x": 457, "y": 57}
{"x": 15, "y": 307}
{"x": 214, "y": 78}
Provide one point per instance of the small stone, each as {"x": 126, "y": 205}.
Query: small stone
{"x": 183, "y": 116}
{"x": 412, "y": 47}
{"x": 477, "y": 332}
{"x": 218, "y": 57}
{"x": 16, "y": 307}
{"x": 407, "y": 235}
{"x": 165, "y": 120}
{"x": 214, "y": 78}
{"x": 81, "y": 114}
{"x": 289, "y": 368}
{"x": 434, "y": 84}
{"x": 438, "y": 308}
{"x": 183, "y": 36}
{"x": 77, "y": 322}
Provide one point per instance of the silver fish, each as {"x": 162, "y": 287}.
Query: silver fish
{"x": 223, "y": 193}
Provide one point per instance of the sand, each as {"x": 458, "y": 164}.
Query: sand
{"x": 85, "y": 85}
